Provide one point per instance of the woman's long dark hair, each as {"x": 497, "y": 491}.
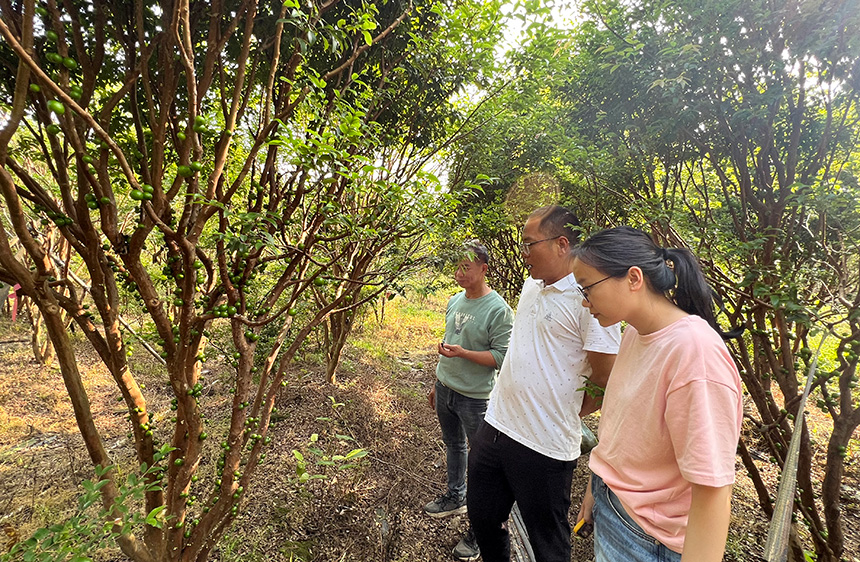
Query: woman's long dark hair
{"x": 614, "y": 251}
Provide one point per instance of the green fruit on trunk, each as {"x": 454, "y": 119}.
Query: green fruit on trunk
{"x": 52, "y": 35}
{"x": 70, "y": 63}
{"x": 180, "y": 135}
{"x": 196, "y": 166}
{"x": 53, "y": 129}
{"x": 136, "y": 194}
{"x": 184, "y": 171}
{"x": 55, "y": 58}
{"x": 35, "y": 88}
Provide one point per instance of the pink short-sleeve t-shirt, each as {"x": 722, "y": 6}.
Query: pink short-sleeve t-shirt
{"x": 671, "y": 417}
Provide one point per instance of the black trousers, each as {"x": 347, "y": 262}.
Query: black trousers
{"x": 502, "y": 471}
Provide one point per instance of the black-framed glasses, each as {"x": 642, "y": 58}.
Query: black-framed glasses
{"x": 525, "y": 247}
{"x": 584, "y": 290}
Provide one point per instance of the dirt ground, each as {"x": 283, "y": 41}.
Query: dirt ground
{"x": 369, "y": 511}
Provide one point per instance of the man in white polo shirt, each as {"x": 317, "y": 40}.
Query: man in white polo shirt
{"x": 526, "y": 449}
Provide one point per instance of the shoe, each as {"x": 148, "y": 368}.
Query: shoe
{"x": 445, "y": 505}
{"x": 467, "y": 549}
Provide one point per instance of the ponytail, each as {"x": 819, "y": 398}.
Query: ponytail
{"x": 673, "y": 272}
{"x": 692, "y": 293}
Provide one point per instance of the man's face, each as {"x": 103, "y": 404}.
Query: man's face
{"x": 543, "y": 260}
{"x": 470, "y": 273}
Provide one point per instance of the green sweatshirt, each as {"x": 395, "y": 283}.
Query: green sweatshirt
{"x": 482, "y": 324}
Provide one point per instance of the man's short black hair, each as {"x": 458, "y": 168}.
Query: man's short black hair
{"x": 474, "y": 250}
{"x": 556, "y": 220}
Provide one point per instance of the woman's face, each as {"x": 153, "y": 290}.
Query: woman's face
{"x": 603, "y": 296}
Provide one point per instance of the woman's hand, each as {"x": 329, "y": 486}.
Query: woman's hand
{"x": 586, "y": 509}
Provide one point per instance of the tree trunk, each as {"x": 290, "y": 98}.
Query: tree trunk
{"x": 338, "y": 328}
{"x": 56, "y": 328}
{"x": 43, "y": 350}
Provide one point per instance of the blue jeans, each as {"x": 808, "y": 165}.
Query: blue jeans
{"x": 459, "y": 418}
{"x": 617, "y": 536}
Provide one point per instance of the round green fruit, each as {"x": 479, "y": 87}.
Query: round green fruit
{"x": 57, "y": 107}
{"x": 180, "y": 135}
{"x": 196, "y": 166}
{"x": 55, "y": 58}
{"x": 35, "y": 88}
{"x": 52, "y": 35}
{"x": 136, "y": 194}
{"x": 319, "y": 281}
{"x": 184, "y": 171}
{"x": 70, "y": 63}
{"x": 53, "y": 129}
{"x": 40, "y": 11}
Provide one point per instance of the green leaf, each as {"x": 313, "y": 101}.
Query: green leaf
{"x": 152, "y": 519}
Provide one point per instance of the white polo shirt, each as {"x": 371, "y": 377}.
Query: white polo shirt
{"x": 537, "y": 397}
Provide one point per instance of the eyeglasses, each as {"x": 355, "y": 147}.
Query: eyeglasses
{"x": 525, "y": 247}
{"x": 584, "y": 290}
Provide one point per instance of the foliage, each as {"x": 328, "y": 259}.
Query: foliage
{"x": 240, "y": 173}
{"x": 91, "y": 529}
{"x": 730, "y": 128}
{"x": 740, "y": 118}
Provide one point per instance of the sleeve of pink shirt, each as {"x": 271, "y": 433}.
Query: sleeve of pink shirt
{"x": 704, "y": 421}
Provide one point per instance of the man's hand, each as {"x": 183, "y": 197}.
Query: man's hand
{"x": 601, "y": 366}
{"x": 450, "y": 350}
{"x": 431, "y": 398}
{"x": 484, "y": 358}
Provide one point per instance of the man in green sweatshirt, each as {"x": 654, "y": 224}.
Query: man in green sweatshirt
{"x": 477, "y": 330}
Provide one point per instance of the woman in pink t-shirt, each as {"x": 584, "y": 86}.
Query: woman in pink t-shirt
{"x": 671, "y": 415}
